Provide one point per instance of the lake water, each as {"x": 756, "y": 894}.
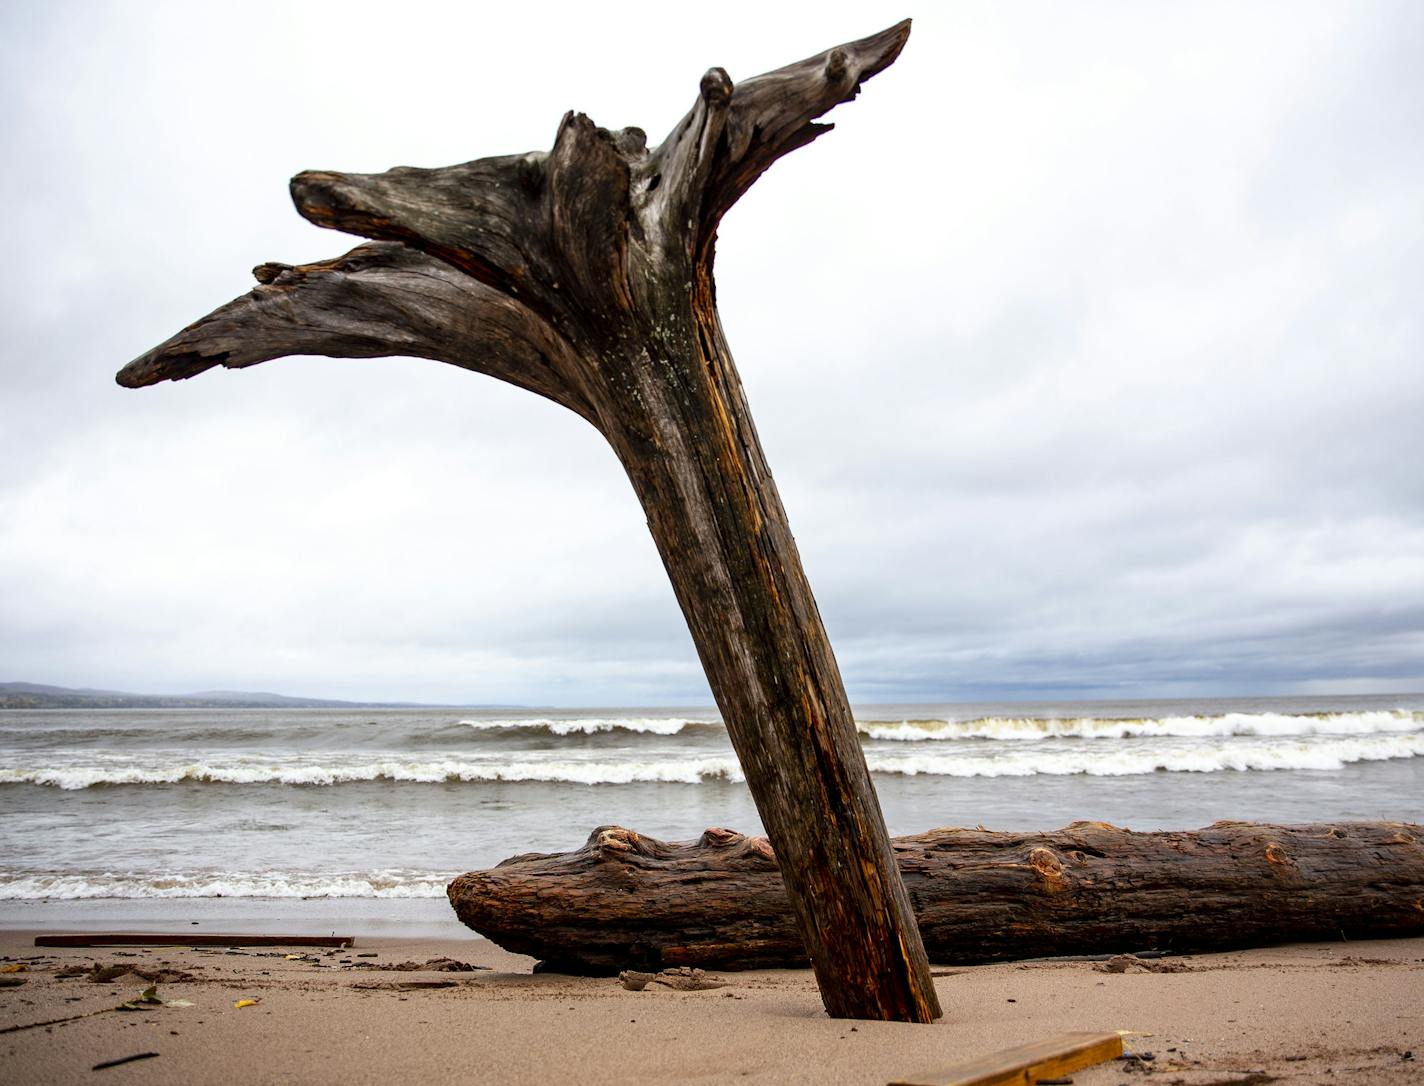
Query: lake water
{"x": 97, "y": 805}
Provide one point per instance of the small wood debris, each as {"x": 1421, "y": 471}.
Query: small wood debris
{"x": 125, "y": 1059}
{"x": 430, "y": 965}
{"x": 682, "y": 979}
{"x": 99, "y": 973}
{"x": 1131, "y": 963}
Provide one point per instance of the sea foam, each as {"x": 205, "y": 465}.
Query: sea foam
{"x": 74, "y": 886}
{"x": 1058, "y": 756}
{"x": 1098, "y": 760}
{"x": 589, "y": 725}
{"x": 1013, "y": 729}
{"x": 355, "y": 769}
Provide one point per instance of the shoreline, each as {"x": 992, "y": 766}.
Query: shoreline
{"x": 392, "y": 918}
{"x": 1310, "y": 1013}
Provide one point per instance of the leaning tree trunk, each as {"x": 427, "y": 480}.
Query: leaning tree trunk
{"x": 585, "y": 275}
{"x": 625, "y": 901}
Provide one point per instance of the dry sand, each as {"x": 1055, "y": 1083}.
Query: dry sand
{"x": 1322, "y": 1013}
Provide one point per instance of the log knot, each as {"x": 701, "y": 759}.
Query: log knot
{"x": 717, "y": 837}
{"x": 1277, "y": 856}
{"x": 631, "y": 140}
{"x": 608, "y": 839}
{"x": 1048, "y": 866}
{"x": 1084, "y": 825}
{"x": 716, "y": 87}
{"x": 529, "y": 170}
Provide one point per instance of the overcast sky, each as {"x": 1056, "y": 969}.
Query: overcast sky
{"x": 1088, "y": 352}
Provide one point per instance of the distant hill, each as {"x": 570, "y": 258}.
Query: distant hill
{"x": 39, "y": 696}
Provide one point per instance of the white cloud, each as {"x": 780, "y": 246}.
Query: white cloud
{"x": 1087, "y": 353}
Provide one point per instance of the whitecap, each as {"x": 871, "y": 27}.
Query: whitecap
{"x": 34, "y": 886}
{"x": 588, "y": 725}
{"x": 1380, "y": 722}
{"x": 1129, "y": 759}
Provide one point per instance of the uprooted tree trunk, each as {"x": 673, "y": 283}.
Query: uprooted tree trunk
{"x": 585, "y": 275}
{"x": 625, "y": 901}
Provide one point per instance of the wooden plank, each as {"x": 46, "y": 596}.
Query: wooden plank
{"x": 1061, "y": 1055}
{"x": 151, "y": 938}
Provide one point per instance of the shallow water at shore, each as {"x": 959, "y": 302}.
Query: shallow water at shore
{"x": 390, "y": 804}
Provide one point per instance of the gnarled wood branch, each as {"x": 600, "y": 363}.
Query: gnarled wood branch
{"x": 565, "y": 230}
{"x": 380, "y": 299}
{"x": 585, "y": 274}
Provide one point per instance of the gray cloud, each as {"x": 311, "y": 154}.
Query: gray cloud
{"x": 1087, "y": 352}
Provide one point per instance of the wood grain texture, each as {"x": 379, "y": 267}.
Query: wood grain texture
{"x": 1026, "y": 1064}
{"x": 584, "y": 274}
{"x": 626, "y": 901}
{"x": 379, "y": 299}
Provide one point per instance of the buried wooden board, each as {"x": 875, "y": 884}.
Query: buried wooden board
{"x": 1026, "y": 1064}
{"x": 183, "y": 938}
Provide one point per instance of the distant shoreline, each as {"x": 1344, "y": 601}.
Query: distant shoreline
{"x": 38, "y": 696}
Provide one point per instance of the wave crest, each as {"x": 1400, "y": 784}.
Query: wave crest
{"x": 1187, "y": 754}
{"x": 36, "y": 886}
{"x": 592, "y": 725}
{"x": 1095, "y": 761}
{"x": 437, "y": 770}
{"x": 1020, "y": 729}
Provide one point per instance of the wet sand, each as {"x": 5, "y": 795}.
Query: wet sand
{"x": 1320, "y": 1013}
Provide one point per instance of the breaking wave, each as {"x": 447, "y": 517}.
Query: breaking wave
{"x": 1007, "y": 728}
{"x": 594, "y": 725}
{"x": 1057, "y": 756}
{"x": 297, "y": 771}
{"x": 1099, "y": 760}
{"x": 1195, "y": 727}
{"x": 36, "y": 886}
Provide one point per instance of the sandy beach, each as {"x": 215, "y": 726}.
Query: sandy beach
{"x": 1319, "y": 1013}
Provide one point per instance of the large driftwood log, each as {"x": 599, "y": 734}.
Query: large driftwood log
{"x": 627, "y": 901}
{"x": 584, "y": 274}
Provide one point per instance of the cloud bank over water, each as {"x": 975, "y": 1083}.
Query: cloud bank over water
{"x": 1086, "y": 351}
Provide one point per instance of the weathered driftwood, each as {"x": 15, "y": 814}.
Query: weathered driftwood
{"x": 584, "y": 274}
{"x": 625, "y": 901}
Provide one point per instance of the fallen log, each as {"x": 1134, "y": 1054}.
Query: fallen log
{"x": 625, "y": 901}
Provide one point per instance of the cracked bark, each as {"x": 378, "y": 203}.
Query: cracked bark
{"x": 626, "y": 901}
{"x": 584, "y": 274}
